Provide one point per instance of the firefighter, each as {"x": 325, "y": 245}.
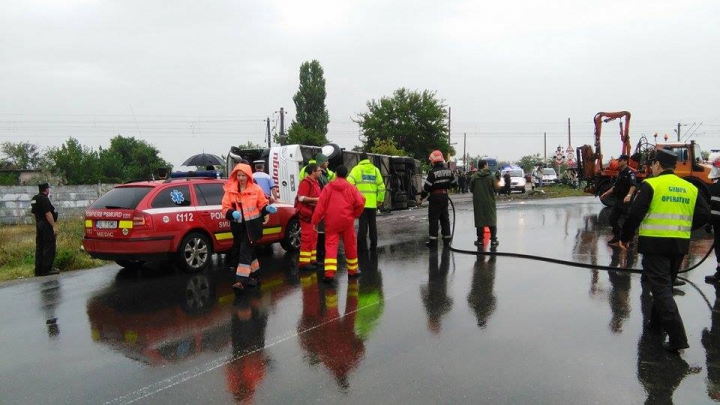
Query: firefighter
{"x": 326, "y": 176}
{"x": 666, "y": 209}
{"x": 244, "y": 204}
{"x": 370, "y": 183}
{"x": 347, "y": 204}
{"x": 45, "y": 231}
{"x": 623, "y": 189}
{"x": 438, "y": 181}
{"x": 307, "y": 198}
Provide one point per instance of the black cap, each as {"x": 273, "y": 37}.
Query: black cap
{"x": 43, "y": 186}
{"x": 259, "y": 162}
{"x": 623, "y": 157}
{"x": 665, "y": 157}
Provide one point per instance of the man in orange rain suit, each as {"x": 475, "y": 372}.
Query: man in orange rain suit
{"x": 245, "y": 204}
{"x": 347, "y": 204}
{"x": 307, "y": 197}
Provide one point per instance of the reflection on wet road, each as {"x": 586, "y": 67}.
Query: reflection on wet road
{"x": 419, "y": 326}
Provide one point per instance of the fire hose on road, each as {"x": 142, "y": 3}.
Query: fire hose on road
{"x": 493, "y": 252}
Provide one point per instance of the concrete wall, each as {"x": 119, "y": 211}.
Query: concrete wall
{"x": 69, "y": 201}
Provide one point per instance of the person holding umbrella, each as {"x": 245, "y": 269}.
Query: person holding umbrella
{"x": 245, "y": 204}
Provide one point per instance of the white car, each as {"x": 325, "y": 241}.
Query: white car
{"x": 517, "y": 179}
{"x": 549, "y": 176}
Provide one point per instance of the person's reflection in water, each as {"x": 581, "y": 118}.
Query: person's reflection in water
{"x": 50, "y": 295}
{"x": 711, "y": 343}
{"x": 334, "y": 344}
{"x": 249, "y": 321}
{"x": 371, "y": 301}
{"x": 658, "y": 372}
{"x": 434, "y": 295}
{"x": 619, "y": 292}
{"x": 482, "y": 296}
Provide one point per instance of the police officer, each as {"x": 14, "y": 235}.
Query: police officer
{"x": 369, "y": 181}
{"x": 623, "y": 189}
{"x": 438, "y": 181}
{"x": 46, "y": 231}
{"x": 265, "y": 181}
{"x": 667, "y": 208}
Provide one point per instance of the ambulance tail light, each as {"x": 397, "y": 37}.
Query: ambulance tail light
{"x": 142, "y": 221}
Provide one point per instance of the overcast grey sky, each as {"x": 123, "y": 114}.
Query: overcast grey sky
{"x": 204, "y": 75}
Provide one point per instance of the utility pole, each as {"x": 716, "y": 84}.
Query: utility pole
{"x": 449, "y": 125}
{"x": 569, "y": 141}
{"x": 268, "y": 133}
{"x": 464, "y": 152}
{"x": 544, "y": 148}
{"x": 282, "y": 124}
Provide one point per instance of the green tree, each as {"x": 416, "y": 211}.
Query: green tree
{"x": 529, "y": 162}
{"x": 311, "y": 117}
{"x": 131, "y": 159}
{"x": 387, "y": 147}
{"x": 20, "y": 155}
{"x": 417, "y": 121}
{"x": 74, "y": 163}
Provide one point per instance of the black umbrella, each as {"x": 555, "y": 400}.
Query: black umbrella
{"x": 203, "y": 159}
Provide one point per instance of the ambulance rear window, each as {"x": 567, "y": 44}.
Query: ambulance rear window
{"x": 121, "y": 197}
{"x": 209, "y": 194}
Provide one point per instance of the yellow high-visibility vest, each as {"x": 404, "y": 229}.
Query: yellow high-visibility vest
{"x": 369, "y": 181}
{"x": 671, "y": 209}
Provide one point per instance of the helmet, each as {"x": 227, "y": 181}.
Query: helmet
{"x": 715, "y": 162}
{"x": 436, "y": 157}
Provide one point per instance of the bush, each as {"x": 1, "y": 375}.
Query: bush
{"x": 17, "y": 249}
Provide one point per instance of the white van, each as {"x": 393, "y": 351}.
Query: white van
{"x": 517, "y": 178}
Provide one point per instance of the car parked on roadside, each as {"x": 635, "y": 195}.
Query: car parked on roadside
{"x": 517, "y": 178}
{"x": 177, "y": 219}
{"x": 549, "y": 176}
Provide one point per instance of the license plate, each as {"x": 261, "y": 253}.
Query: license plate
{"x": 106, "y": 224}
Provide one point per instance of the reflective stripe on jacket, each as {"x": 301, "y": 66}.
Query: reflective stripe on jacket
{"x": 671, "y": 210}
{"x": 369, "y": 181}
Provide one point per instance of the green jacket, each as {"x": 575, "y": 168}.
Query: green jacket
{"x": 326, "y": 177}
{"x": 483, "y": 186}
{"x": 369, "y": 181}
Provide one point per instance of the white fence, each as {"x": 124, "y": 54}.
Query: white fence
{"x": 69, "y": 201}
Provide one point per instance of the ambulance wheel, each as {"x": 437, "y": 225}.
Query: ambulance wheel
{"x": 291, "y": 242}
{"x": 130, "y": 264}
{"x": 194, "y": 253}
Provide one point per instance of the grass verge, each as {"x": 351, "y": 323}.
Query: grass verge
{"x": 17, "y": 249}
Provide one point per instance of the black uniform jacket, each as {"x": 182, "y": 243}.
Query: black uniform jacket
{"x": 660, "y": 246}
{"x": 625, "y": 180}
{"x": 41, "y": 205}
{"x": 439, "y": 178}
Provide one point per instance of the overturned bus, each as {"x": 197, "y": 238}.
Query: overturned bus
{"x": 402, "y": 175}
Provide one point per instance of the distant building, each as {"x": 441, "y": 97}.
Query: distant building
{"x": 22, "y": 176}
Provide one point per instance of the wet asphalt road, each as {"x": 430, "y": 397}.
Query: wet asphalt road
{"x": 419, "y": 326}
